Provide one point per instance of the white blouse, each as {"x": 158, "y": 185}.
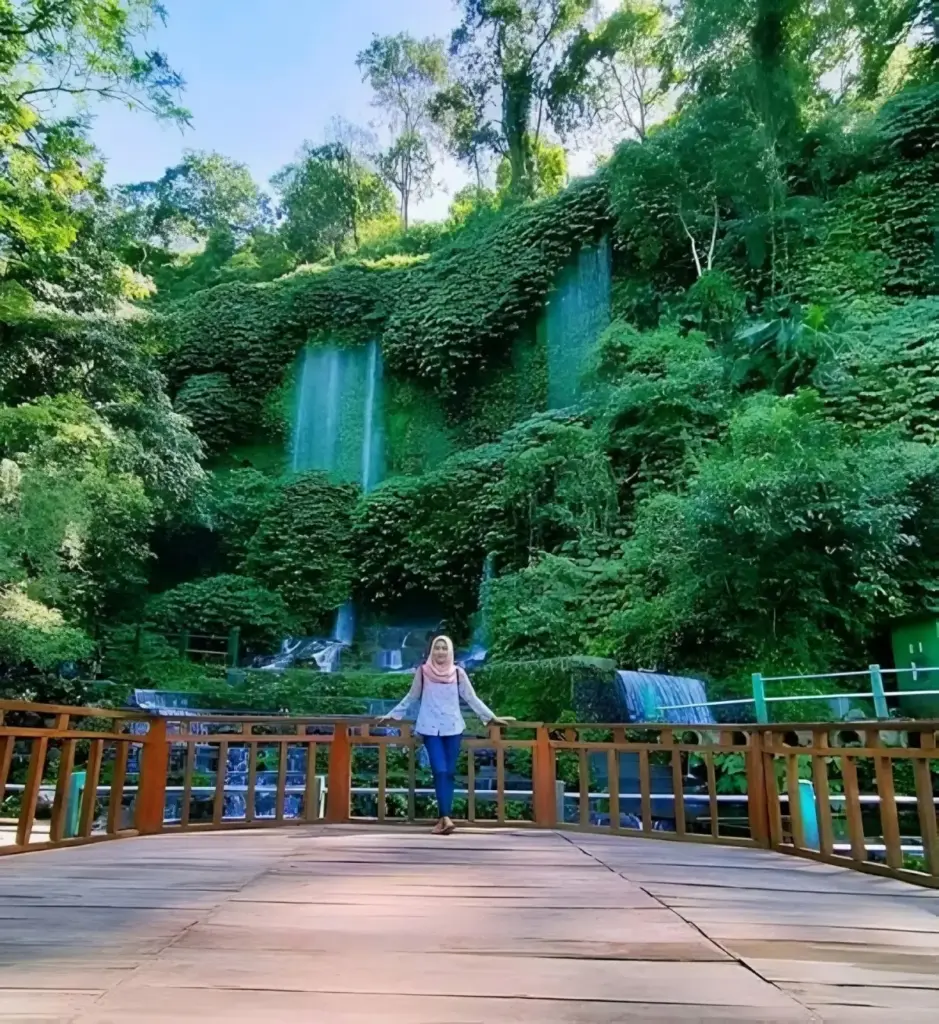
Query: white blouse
{"x": 439, "y": 713}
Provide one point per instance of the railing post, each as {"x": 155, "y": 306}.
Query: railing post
{"x": 543, "y": 774}
{"x": 151, "y": 792}
{"x": 759, "y": 698}
{"x": 650, "y": 710}
{"x": 183, "y": 643}
{"x": 877, "y": 687}
{"x": 808, "y": 806}
{"x": 339, "y": 778}
{"x": 234, "y": 645}
{"x": 757, "y": 808}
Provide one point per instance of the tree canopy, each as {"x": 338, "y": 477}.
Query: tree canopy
{"x": 746, "y": 476}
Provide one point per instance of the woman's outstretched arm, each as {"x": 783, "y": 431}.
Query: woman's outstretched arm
{"x": 484, "y": 713}
{"x": 398, "y": 711}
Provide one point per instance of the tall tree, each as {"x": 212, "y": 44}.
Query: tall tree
{"x": 204, "y": 192}
{"x": 326, "y": 196}
{"x": 884, "y": 26}
{"x": 503, "y": 55}
{"x": 617, "y": 75}
{"x": 405, "y": 74}
{"x": 57, "y": 57}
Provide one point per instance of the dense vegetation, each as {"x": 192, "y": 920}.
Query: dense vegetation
{"x": 751, "y": 478}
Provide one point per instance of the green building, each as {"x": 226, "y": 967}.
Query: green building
{"x": 916, "y": 655}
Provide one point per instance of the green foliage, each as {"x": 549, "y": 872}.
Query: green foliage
{"x": 667, "y": 400}
{"x": 214, "y": 604}
{"x": 205, "y": 192}
{"x": 35, "y": 635}
{"x": 548, "y": 171}
{"x": 217, "y": 412}
{"x": 750, "y": 478}
{"x": 883, "y": 373}
{"x": 503, "y": 59}
{"x": 618, "y": 74}
{"x": 326, "y": 197}
{"x": 239, "y": 500}
{"x": 790, "y": 544}
{"x": 54, "y": 58}
{"x": 554, "y": 607}
{"x": 302, "y": 547}
{"x": 142, "y": 659}
{"x": 542, "y": 690}
{"x": 404, "y": 74}
{"x": 442, "y": 319}
{"x": 425, "y": 538}
{"x": 459, "y": 311}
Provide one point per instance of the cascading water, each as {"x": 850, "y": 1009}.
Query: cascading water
{"x": 338, "y": 418}
{"x": 338, "y": 427}
{"x": 645, "y": 693}
{"x": 576, "y": 315}
{"x": 481, "y": 633}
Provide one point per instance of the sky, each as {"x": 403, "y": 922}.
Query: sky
{"x": 261, "y": 77}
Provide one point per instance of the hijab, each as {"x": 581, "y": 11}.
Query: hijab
{"x": 445, "y": 673}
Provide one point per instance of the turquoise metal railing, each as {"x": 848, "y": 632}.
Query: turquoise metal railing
{"x": 877, "y": 692}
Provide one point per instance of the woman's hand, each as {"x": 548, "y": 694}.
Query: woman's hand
{"x": 500, "y": 720}
{"x": 384, "y": 720}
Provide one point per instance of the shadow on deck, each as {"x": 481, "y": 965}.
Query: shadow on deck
{"x": 343, "y": 924}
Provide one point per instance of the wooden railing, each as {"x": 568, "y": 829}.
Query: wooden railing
{"x": 789, "y": 788}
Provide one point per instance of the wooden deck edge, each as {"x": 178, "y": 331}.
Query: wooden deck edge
{"x": 864, "y": 866}
{"x": 47, "y": 845}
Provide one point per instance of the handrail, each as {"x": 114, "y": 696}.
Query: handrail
{"x": 144, "y": 774}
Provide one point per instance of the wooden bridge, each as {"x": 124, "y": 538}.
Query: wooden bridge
{"x": 314, "y": 895}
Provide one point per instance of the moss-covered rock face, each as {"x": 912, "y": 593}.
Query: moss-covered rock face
{"x": 764, "y": 336}
{"x": 444, "y": 320}
{"x": 302, "y": 547}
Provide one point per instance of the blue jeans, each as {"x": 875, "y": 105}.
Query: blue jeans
{"x": 444, "y": 751}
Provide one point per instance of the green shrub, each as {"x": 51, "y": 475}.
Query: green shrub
{"x": 219, "y": 414}
{"x": 302, "y": 547}
{"x": 216, "y": 604}
{"x": 543, "y": 690}
{"x": 32, "y": 634}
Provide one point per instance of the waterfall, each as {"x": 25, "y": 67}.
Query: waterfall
{"x": 577, "y": 314}
{"x": 338, "y": 419}
{"x": 644, "y": 693}
{"x": 339, "y": 427}
{"x": 371, "y": 437}
{"x": 481, "y": 632}
{"x": 344, "y": 629}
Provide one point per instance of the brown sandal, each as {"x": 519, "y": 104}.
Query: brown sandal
{"x": 449, "y": 828}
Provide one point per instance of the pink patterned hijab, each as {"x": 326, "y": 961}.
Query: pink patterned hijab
{"x": 444, "y": 670}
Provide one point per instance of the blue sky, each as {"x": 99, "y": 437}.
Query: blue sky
{"x": 262, "y": 76}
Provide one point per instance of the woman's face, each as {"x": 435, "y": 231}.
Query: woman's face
{"x": 440, "y": 653}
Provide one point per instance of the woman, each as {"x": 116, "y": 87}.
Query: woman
{"x": 438, "y": 685}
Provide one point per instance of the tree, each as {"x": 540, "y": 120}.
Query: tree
{"x": 203, "y": 193}
{"x": 618, "y": 75}
{"x": 503, "y": 55}
{"x": 886, "y": 26}
{"x": 405, "y": 73}
{"x": 56, "y": 58}
{"x": 327, "y": 195}
{"x": 408, "y": 167}
{"x": 791, "y": 543}
{"x": 680, "y": 187}
{"x": 549, "y": 171}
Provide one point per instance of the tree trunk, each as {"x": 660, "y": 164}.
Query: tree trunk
{"x": 516, "y": 112}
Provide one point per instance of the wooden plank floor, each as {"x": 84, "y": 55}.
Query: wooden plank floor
{"x": 343, "y": 925}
